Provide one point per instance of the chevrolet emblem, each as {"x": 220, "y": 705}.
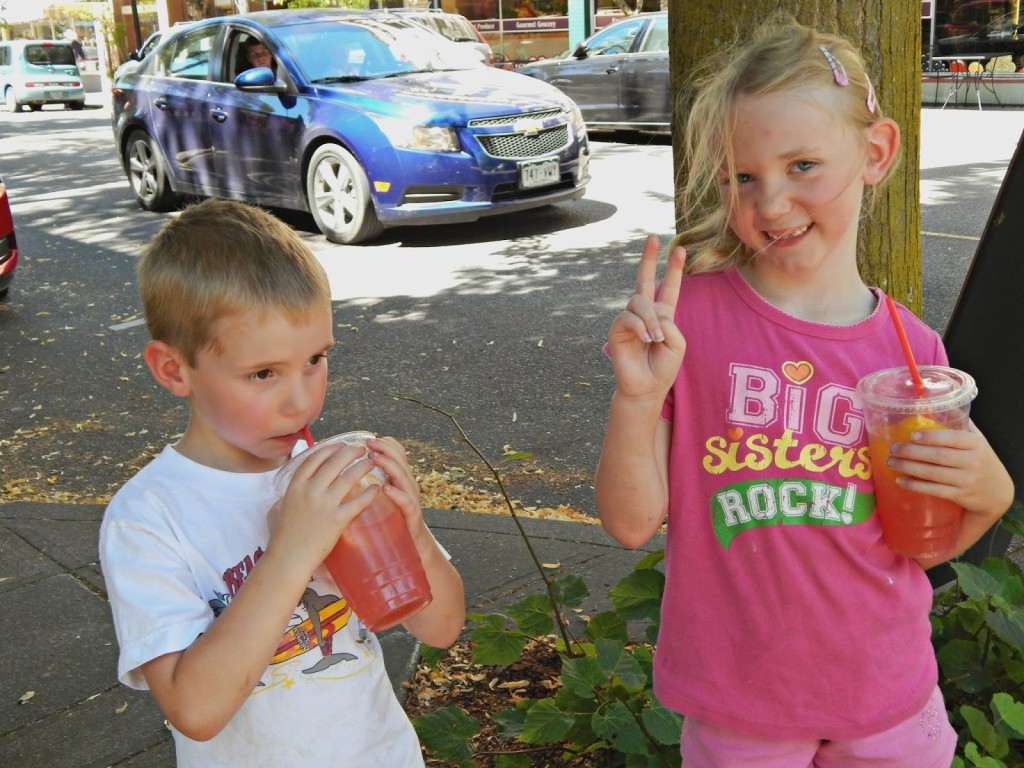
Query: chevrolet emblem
{"x": 528, "y": 126}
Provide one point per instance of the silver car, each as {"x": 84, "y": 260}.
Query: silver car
{"x": 619, "y": 77}
{"x": 38, "y": 72}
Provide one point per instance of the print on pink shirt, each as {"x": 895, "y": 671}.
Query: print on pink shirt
{"x": 830, "y": 440}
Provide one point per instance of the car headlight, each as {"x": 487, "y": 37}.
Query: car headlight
{"x": 427, "y": 138}
{"x": 576, "y": 117}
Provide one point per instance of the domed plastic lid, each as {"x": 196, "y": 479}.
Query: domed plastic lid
{"x": 284, "y": 474}
{"x": 894, "y": 390}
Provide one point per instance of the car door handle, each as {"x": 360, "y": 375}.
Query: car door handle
{"x": 160, "y": 103}
{"x": 612, "y": 70}
{"x": 219, "y": 115}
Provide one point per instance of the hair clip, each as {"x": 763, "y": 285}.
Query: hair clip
{"x": 871, "y": 98}
{"x": 838, "y": 72}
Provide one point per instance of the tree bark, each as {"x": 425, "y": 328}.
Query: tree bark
{"x": 889, "y": 35}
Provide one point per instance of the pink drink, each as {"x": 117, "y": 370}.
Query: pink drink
{"x": 913, "y": 525}
{"x": 375, "y": 563}
{"x": 377, "y": 568}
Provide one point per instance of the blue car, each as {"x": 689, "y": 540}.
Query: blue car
{"x": 364, "y": 119}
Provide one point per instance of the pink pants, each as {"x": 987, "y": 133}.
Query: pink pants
{"x": 925, "y": 740}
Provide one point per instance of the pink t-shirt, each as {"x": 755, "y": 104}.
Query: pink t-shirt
{"x": 784, "y": 613}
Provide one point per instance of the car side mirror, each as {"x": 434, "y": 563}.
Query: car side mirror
{"x": 261, "y": 79}
{"x": 134, "y": 56}
{"x": 580, "y": 51}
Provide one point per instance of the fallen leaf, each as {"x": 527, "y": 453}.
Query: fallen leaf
{"x": 26, "y": 697}
{"x": 122, "y": 709}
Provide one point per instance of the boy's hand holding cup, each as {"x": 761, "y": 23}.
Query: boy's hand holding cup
{"x": 374, "y": 562}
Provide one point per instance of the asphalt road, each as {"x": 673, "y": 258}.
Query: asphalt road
{"x": 498, "y": 323}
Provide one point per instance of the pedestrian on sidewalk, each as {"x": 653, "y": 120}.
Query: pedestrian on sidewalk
{"x": 251, "y": 653}
{"x": 791, "y": 635}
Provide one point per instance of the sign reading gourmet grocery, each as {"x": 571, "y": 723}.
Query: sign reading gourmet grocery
{"x": 538, "y": 24}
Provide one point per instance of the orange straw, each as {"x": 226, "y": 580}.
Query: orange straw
{"x": 307, "y": 436}
{"x": 902, "y": 334}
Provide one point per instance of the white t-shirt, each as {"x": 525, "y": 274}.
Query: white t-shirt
{"x": 176, "y": 544}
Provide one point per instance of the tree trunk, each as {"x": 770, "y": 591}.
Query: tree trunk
{"x": 889, "y": 35}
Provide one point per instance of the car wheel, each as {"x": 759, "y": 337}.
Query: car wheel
{"x": 13, "y": 105}
{"x": 145, "y": 169}
{"x": 76, "y": 105}
{"x": 339, "y": 197}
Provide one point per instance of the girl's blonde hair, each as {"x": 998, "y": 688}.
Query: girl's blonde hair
{"x": 783, "y": 57}
{"x": 220, "y": 259}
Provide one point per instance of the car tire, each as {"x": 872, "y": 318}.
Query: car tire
{"x": 338, "y": 194}
{"x": 75, "y": 105}
{"x": 36, "y": 107}
{"x": 146, "y": 173}
{"x": 13, "y": 105}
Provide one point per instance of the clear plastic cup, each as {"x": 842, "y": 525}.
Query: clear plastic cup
{"x": 374, "y": 563}
{"x": 913, "y": 524}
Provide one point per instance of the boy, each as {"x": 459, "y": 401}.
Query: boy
{"x": 253, "y": 660}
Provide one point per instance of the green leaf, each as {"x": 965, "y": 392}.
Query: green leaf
{"x": 961, "y": 663}
{"x": 615, "y": 660}
{"x": 430, "y": 655}
{"x": 533, "y": 615}
{"x": 446, "y": 733}
{"x": 975, "y": 582}
{"x": 1010, "y": 711}
{"x": 971, "y": 753}
{"x": 607, "y": 624}
{"x": 545, "y": 723}
{"x": 571, "y": 591}
{"x": 617, "y": 726}
{"x": 1008, "y": 627}
{"x": 582, "y": 677}
{"x": 510, "y": 721}
{"x": 650, "y": 560}
{"x": 495, "y": 644}
{"x": 516, "y": 456}
{"x": 638, "y": 595}
{"x": 664, "y": 725}
{"x": 983, "y": 732}
{"x": 512, "y": 761}
{"x": 1009, "y": 576}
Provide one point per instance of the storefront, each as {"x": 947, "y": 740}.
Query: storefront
{"x": 520, "y": 31}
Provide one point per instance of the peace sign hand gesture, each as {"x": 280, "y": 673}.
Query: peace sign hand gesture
{"x": 645, "y": 346}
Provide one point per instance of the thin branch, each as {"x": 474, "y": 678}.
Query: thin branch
{"x": 548, "y": 584}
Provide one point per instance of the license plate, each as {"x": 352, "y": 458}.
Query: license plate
{"x": 57, "y": 95}
{"x": 538, "y": 173}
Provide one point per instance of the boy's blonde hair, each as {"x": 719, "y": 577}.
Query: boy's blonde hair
{"x": 783, "y": 57}
{"x": 219, "y": 259}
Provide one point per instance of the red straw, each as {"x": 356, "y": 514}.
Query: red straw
{"x": 902, "y": 334}
{"x": 307, "y": 436}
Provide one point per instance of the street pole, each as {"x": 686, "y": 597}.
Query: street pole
{"x": 136, "y": 25}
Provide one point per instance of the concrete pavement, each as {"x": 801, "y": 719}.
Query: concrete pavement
{"x": 58, "y": 640}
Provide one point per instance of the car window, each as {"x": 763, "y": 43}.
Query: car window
{"x": 44, "y": 55}
{"x": 188, "y": 56}
{"x": 657, "y": 36}
{"x": 618, "y": 38}
{"x": 370, "y": 48}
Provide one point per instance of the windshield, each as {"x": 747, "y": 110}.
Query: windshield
{"x": 364, "y": 49}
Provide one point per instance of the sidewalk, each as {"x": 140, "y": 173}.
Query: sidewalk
{"x": 58, "y": 640}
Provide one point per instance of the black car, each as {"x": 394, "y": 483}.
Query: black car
{"x": 8, "y": 244}
{"x": 619, "y": 77}
{"x": 1002, "y": 37}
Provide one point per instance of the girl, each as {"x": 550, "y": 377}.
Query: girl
{"x": 791, "y": 635}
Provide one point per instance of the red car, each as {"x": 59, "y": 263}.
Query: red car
{"x": 8, "y": 245}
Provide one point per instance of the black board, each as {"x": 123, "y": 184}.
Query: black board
{"x": 985, "y": 337}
